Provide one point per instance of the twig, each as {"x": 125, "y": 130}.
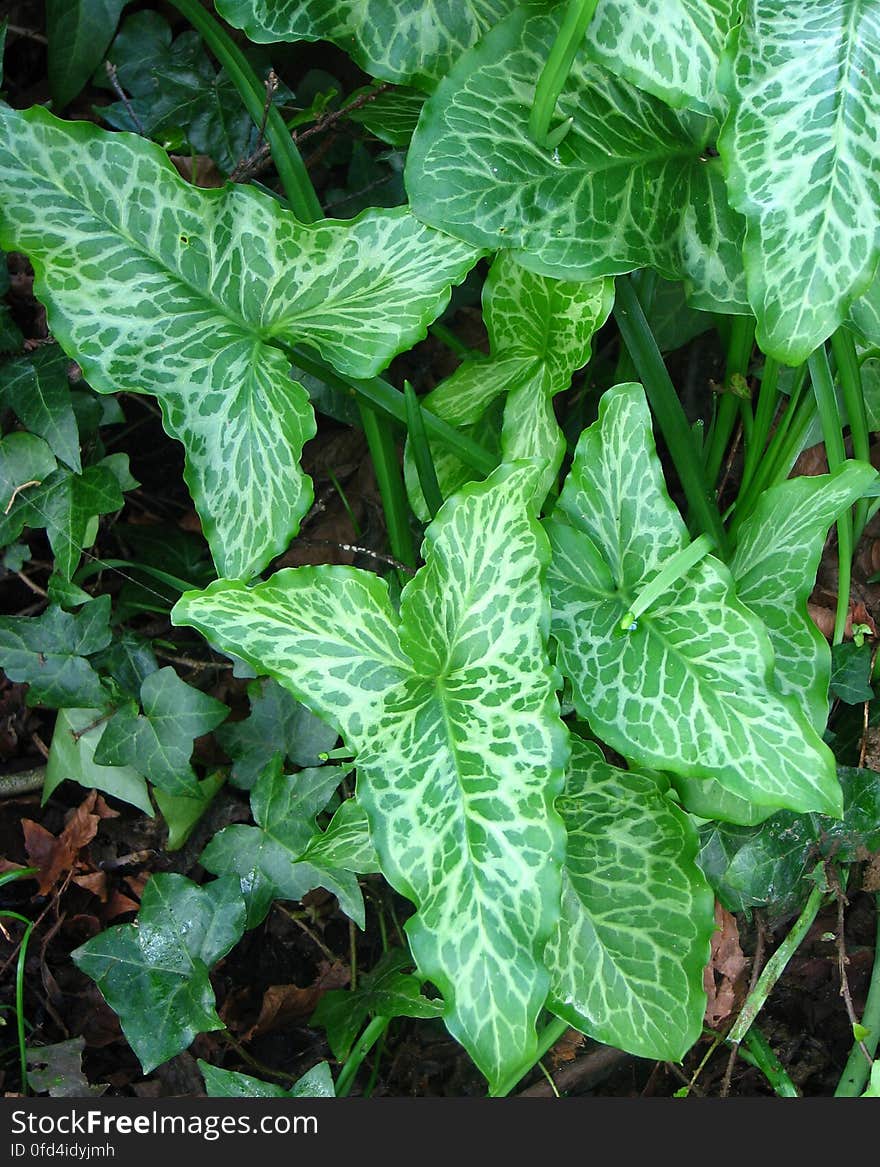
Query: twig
{"x": 30, "y": 33}
{"x": 757, "y": 963}
{"x": 22, "y": 782}
{"x": 843, "y": 960}
{"x": 728, "y": 465}
{"x": 583, "y": 1073}
{"x": 121, "y": 94}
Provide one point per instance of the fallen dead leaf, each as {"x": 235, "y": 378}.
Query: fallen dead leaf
{"x": 285, "y": 1004}
{"x": 54, "y": 856}
{"x": 726, "y": 965}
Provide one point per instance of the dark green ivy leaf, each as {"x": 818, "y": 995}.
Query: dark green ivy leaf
{"x": 851, "y": 672}
{"x": 268, "y": 857}
{"x": 48, "y": 652}
{"x": 36, "y": 389}
{"x": 277, "y": 722}
{"x": 386, "y": 991}
{"x": 315, "y": 1083}
{"x": 159, "y": 742}
{"x": 155, "y": 975}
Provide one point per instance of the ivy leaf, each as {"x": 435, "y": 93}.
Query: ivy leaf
{"x": 540, "y": 333}
{"x": 155, "y": 975}
{"x": 690, "y": 688}
{"x": 670, "y": 48}
{"x": 37, "y": 391}
{"x": 630, "y": 186}
{"x": 79, "y": 32}
{"x": 159, "y": 743}
{"x": 410, "y": 42}
{"x": 25, "y": 461}
{"x": 452, "y": 714}
{"x": 72, "y": 757}
{"x": 66, "y": 505}
{"x": 851, "y": 672}
{"x": 276, "y": 723}
{"x": 315, "y": 1083}
{"x": 391, "y": 115}
{"x": 181, "y": 812}
{"x": 385, "y": 991}
{"x": 269, "y": 858}
{"x": 774, "y": 567}
{"x": 192, "y": 295}
{"x": 755, "y": 866}
{"x": 626, "y": 962}
{"x": 802, "y": 164}
{"x": 49, "y": 652}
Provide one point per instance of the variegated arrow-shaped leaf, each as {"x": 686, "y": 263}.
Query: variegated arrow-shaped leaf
{"x": 774, "y": 567}
{"x": 670, "y": 48}
{"x": 802, "y": 159}
{"x": 626, "y": 963}
{"x": 156, "y": 286}
{"x": 451, "y": 711}
{"x": 540, "y": 331}
{"x": 689, "y": 688}
{"x": 405, "y": 41}
{"x": 630, "y": 186}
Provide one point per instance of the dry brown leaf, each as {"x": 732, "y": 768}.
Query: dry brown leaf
{"x": 285, "y": 1004}
{"x": 726, "y": 965}
{"x": 54, "y": 856}
{"x": 95, "y": 882}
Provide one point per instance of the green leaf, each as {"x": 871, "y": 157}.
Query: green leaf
{"x": 79, "y": 32}
{"x": 36, "y": 389}
{"x": 451, "y": 711}
{"x": 630, "y": 185}
{"x": 129, "y": 659}
{"x": 276, "y": 723}
{"x": 57, "y": 1070}
{"x": 25, "y": 462}
{"x": 48, "y": 652}
{"x": 851, "y": 673}
{"x": 191, "y": 295}
{"x": 182, "y": 812}
{"x": 774, "y": 568}
{"x": 802, "y": 163}
{"x": 626, "y": 962}
{"x": 72, "y": 756}
{"x": 540, "y": 333}
{"x": 385, "y": 991}
{"x": 269, "y": 858}
{"x": 391, "y": 115}
{"x": 690, "y": 688}
{"x": 174, "y": 88}
{"x": 670, "y": 48}
{"x": 11, "y": 338}
{"x": 767, "y": 864}
{"x": 346, "y": 843}
{"x": 315, "y": 1083}
{"x": 155, "y": 975}
{"x": 159, "y": 743}
{"x": 66, "y": 505}
{"x": 405, "y": 41}
{"x": 708, "y": 799}
{"x": 872, "y": 1090}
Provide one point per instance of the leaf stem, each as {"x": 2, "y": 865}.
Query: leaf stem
{"x": 19, "y": 989}
{"x": 775, "y": 966}
{"x": 385, "y": 397}
{"x": 674, "y": 568}
{"x": 668, "y": 410}
{"x": 857, "y": 1068}
{"x": 362, "y": 1047}
{"x": 383, "y": 452}
{"x": 739, "y": 354}
{"x": 555, "y": 73}
{"x": 768, "y": 399}
{"x": 547, "y": 1038}
{"x": 832, "y": 434}
{"x": 421, "y": 450}
{"x": 757, "y": 1052}
{"x": 849, "y": 375}
{"x": 288, "y": 161}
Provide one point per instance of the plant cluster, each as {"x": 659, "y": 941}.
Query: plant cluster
{"x": 582, "y": 711}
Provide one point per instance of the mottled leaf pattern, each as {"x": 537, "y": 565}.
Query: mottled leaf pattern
{"x": 774, "y": 568}
{"x": 802, "y": 159}
{"x": 690, "y": 688}
{"x": 626, "y": 962}
{"x": 460, "y": 751}
{"x": 630, "y": 185}
{"x": 540, "y": 332}
{"x": 156, "y": 286}
{"x": 670, "y": 48}
{"x": 405, "y": 41}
